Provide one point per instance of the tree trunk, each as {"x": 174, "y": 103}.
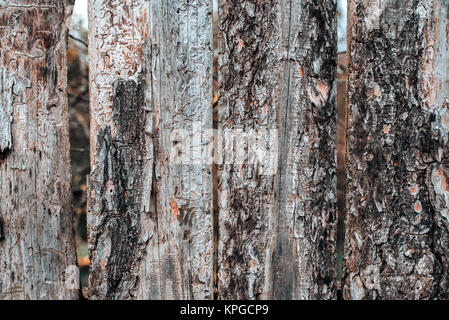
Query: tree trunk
{"x": 150, "y": 200}
{"x": 37, "y": 244}
{"x": 398, "y": 122}
{"x": 277, "y": 176}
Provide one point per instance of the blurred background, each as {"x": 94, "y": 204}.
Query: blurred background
{"x": 78, "y": 95}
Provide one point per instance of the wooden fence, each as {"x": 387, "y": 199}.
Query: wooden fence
{"x": 188, "y": 203}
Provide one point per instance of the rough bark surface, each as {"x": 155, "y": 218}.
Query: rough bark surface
{"x": 150, "y": 221}
{"x": 37, "y": 244}
{"x": 398, "y": 122}
{"x": 117, "y": 243}
{"x": 277, "y": 85}
{"x": 119, "y": 198}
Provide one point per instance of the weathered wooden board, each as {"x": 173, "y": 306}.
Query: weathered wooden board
{"x": 37, "y": 244}
{"x": 182, "y": 100}
{"x": 121, "y": 150}
{"x": 277, "y": 176}
{"x": 150, "y": 206}
{"x": 397, "y": 150}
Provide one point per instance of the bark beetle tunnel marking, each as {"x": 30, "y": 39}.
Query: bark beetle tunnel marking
{"x": 169, "y": 47}
{"x": 34, "y": 151}
{"x": 249, "y": 31}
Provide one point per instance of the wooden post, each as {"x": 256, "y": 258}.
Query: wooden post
{"x": 150, "y": 206}
{"x": 277, "y": 176}
{"x": 37, "y": 243}
{"x": 397, "y": 150}
{"x": 182, "y": 101}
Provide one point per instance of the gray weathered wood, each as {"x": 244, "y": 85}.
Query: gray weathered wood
{"x": 397, "y": 150}
{"x": 182, "y": 100}
{"x": 121, "y": 149}
{"x": 37, "y": 243}
{"x": 150, "y": 215}
{"x": 277, "y": 83}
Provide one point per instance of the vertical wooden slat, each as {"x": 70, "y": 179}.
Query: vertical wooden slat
{"x": 182, "y": 100}
{"x": 397, "y": 150}
{"x": 277, "y": 214}
{"x": 121, "y": 233}
{"x": 37, "y": 245}
{"x": 150, "y": 203}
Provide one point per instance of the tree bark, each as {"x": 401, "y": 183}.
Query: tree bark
{"x": 397, "y": 189}
{"x": 119, "y": 195}
{"x": 277, "y": 176}
{"x": 150, "y": 200}
{"x": 37, "y": 244}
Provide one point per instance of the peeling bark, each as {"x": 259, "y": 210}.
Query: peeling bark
{"x": 6, "y": 109}
{"x": 116, "y": 185}
{"x": 119, "y": 195}
{"x": 397, "y": 151}
{"x": 150, "y": 221}
{"x": 277, "y": 214}
{"x": 37, "y": 244}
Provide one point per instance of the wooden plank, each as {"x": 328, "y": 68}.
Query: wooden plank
{"x": 150, "y": 214}
{"x": 37, "y": 244}
{"x": 119, "y": 195}
{"x": 277, "y": 176}
{"x": 397, "y": 150}
{"x": 182, "y": 101}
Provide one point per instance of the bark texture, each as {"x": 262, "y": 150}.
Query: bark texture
{"x": 37, "y": 245}
{"x": 119, "y": 196}
{"x": 150, "y": 221}
{"x": 277, "y": 176}
{"x": 397, "y": 189}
